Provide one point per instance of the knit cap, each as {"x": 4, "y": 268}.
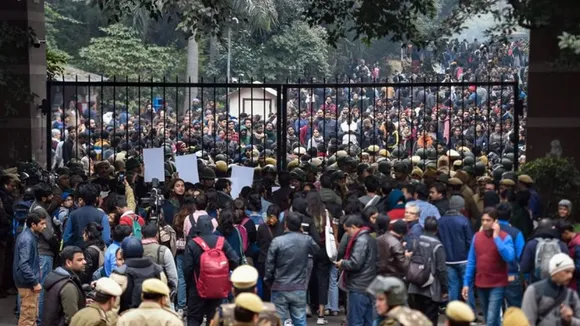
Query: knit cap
{"x": 560, "y": 262}
{"x": 456, "y": 203}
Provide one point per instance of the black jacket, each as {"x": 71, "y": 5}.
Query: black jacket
{"x": 59, "y": 305}
{"x": 193, "y": 253}
{"x": 266, "y": 234}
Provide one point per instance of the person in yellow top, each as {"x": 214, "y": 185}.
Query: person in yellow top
{"x": 95, "y": 314}
{"x": 247, "y": 310}
{"x": 151, "y": 311}
{"x": 244, "y": 280}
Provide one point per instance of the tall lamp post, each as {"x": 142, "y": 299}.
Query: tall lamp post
{"x": 235, "y": 20}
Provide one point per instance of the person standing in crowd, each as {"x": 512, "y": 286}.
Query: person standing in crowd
{"x": 134, "y": 272}
{"x": 421, "y": 197}
{"x": 543, "y": 244}
{"x": 94, "y": 252}
{"x": 572, "y": 238}
{"x": 513, "y": 292}
{"x": 120, "y": 232}
{"x": 550, "y": 301}
{"x": 390, "y": 297}
{"x": 47, "y": 241}
{"x": 7, "y": 186}
{"x": 204, "y": 240}
{"x": 490, "y": 252}
{"x": 438, "y": 197}
{"x": 286, "y": 269}
{"x": 159, "y": 254}
{"x": 63, "y": 289}
{"x": 26, "y": 268}
{"x": 455, "y": 233}
{"x": 428, "y": 298}
{"x": 391, "y": 254}
{"x": 88, "y": 213}
{"x": 359, "y": 268}
{"x": 247, "y": 310}
{"x": 266, "y": 233}
{"x": 151, "y": 311}
{"x": 244, "y": 280}
{"x": 128, "y": 216}
{"x": 95, "y": 314}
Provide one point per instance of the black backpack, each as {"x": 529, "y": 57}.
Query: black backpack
{"x": 138, "y": 276}
{"x": 421, "y": 263}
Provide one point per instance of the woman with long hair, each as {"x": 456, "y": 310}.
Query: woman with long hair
{"x": 174, "y": 199}
{"x": 227, "y": 229}
{"x": 321, "y": 269}
{"x": 266, "y": 233}
{"x": 187, "y": 209}
{"x": 94, "y": 251}
{"x": 243, "y": 220}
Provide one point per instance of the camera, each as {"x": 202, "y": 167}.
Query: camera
{"x": 36, "y": 42}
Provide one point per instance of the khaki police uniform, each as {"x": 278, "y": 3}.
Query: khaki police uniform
{"x": 459, "y": 312}
{"x": 405, "y": 316}
{"x": 93, "y": 314}
{"x": 245, "y": 277}
{"x": 151, "y": 313}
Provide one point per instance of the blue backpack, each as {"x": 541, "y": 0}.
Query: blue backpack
{"x": 21, "y": 210}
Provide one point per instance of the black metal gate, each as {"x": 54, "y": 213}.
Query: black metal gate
{"x": 277, "y": 121}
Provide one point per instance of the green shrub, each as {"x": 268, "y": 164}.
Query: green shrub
{"x": 555, "y": 179}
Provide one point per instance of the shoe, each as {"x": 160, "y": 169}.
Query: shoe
{"x": 334, "y": 313}
{"x": 288, "y": 322}
{"x": 180, "y": 313}
{"x": 308, "y": 312}
{"x": 321, "y": 321}
{"x": 326, "y": 312}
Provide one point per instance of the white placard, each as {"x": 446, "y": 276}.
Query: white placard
{"x": 275, "y": 188}
{"x": 242, "y": 176}
{"x": 153, "y": 164}
{"x": 186, "y": 166}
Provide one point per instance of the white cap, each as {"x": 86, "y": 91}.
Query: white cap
{"x": 560, "y": 262}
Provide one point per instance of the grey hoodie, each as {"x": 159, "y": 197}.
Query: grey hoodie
{"x": 47, "y": 234}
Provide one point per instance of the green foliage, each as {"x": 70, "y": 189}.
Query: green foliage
{"x": 122, "y": 53}
{"x": 56, "y": 61}
{"x": 555, "y": 179}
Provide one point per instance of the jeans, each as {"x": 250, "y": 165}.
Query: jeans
{"x": 333, "y": 290}
{"x": 455, "y": 273}
{"x": 360, "y": 309}
{"x": 291, "y": 304}
{"x": 45, "y": 268}
{"x": 181, "y": 287}
{"x": 513, "y": 292}
{"x": 28, "y": 306}
{"x": 491, "y": 302}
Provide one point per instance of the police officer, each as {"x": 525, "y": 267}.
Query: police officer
{"x": 151, "y": 311}
{"x": 248, "y": 308}
{"x": 244, "y": 280}
{"x": 390, "y": 299}
{"x": 95, "y": 314}
{"x": 458, "y": 314}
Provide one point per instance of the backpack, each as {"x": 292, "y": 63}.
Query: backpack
{"x": 545, "y": 250}
{"x": 138, "y": 279}
{"x": 213, "y": 281}
{"x": 243, "y": 234}
{"x": 421, "y": 263}
{"x": 136, "y": 226}
{"x": 101, "y": 254}
{"x": 21, "y": 209}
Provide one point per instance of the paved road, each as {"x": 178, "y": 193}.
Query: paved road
{"x": 7, "y": 317}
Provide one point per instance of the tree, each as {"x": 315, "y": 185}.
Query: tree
{"x": 122, "y": 53}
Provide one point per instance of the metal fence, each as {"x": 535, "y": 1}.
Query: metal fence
{"x": 247, "y": 122}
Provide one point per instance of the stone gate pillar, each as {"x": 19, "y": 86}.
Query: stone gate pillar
{"x": 23, "y": 132}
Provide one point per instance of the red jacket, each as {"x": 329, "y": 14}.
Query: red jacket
{"x": 128, "y": 218}
{"x": 491, "y": 270}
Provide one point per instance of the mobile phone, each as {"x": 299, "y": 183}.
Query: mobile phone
{"x": 121, "y": 178}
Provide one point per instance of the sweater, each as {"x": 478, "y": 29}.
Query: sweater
{"x": 492, "y": 269}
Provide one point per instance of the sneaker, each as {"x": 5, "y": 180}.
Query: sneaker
{"x": 321, "y": 321}
{"x": 334, "y": 313}
{"x": 288, "y": 322}
{"x": 308, "y": 312}
{"x": 180, "y": 313}
{"x": 326, "y": 312}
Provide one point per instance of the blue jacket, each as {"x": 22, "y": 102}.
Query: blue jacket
{"x": 455, "y": 234}
{"x": 79, "y": 219}
{"x": 26, "y": 263}
{"x": 528, "y": 260}
{"x": 519, "y": 243}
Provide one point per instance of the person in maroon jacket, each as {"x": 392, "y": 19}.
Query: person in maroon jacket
{"x": 573, "y": 240}
{"x": 490, "y": 252}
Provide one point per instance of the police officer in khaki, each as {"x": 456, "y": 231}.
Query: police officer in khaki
{"x": 390, "y": 299}
{"x": 247, "y": 309}
{"x": 458, "y": 314}
{"x": 244, "y": 280}
{"x": 151, "y": 311}
{"x": 95, "y": 314}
